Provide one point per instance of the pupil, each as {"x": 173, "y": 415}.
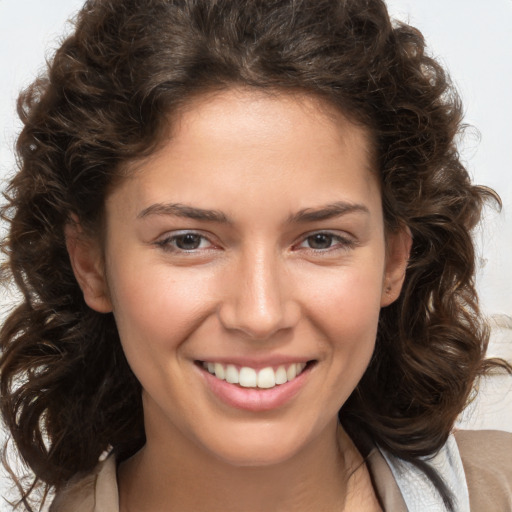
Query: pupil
{"x": 188, "y": 242}
{"x": 320, "y": 241}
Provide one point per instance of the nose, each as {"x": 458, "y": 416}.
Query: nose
{"x": 258, "y": 301}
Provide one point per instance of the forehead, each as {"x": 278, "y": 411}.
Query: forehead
{"x": 246, "y": 144}
{"x": 260, "y": 116}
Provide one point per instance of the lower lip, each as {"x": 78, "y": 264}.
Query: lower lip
{"x": 255, "y": 399}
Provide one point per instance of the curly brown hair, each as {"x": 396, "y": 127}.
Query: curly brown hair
{"x": 67, "y": 392}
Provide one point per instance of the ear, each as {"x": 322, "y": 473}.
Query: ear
{"x": 398, "y": 249}
{"x": 86, "y": 259}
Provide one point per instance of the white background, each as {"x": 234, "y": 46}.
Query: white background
{"x": 472, "y": 38}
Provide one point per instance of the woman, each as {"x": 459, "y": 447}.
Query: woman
{"x": 242, "y": 235}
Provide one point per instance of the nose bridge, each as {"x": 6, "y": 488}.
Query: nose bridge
{"x": 257, "y": 304}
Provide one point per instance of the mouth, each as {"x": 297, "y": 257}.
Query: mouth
{"x": 257, "y": 388}
{"x": 247, "y": 377}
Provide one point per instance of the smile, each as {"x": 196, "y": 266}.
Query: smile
{"x": 247, "y": 377}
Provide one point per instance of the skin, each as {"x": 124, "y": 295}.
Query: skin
{"x": 255, "y": 288}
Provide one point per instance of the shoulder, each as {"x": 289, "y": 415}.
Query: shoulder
{"x": 93, "y": 492}
{"x": 487, "y": 460}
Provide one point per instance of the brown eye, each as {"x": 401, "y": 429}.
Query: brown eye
{"x": 188, "y": 242}
{"x": 320, "y": 241}
{"x": 326, "y": 242}
{"x": 185, "y": 241}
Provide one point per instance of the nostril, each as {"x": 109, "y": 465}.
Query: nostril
{"x": 256, "y": 320}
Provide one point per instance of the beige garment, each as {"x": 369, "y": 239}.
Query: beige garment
{"x": 486, "y": 456}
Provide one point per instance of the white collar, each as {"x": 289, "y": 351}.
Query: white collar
{"x": 419, "y": 492}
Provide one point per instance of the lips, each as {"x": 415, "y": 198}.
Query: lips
{"x": 247, "y": 377}
{"x": 260, "y": 388}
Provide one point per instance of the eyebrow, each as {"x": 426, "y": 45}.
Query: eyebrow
{"x": 306, "y": 215}
{"x": 181, "y": 210}
{"x": 326, "y": 212}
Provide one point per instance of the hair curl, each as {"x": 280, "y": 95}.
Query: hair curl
{"x": 67, "y": 392}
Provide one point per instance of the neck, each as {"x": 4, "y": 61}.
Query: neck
{"x": 179, "y": 476}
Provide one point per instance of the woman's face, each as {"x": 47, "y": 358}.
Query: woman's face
{"x": 252, "y": 246}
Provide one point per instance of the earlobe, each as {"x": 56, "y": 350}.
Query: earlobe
{"x": 87, "y": 262}
{"x": 397, "y": 257}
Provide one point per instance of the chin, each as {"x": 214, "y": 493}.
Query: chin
{"x": 259, "y": 446}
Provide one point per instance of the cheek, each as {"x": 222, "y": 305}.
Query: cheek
{"x": 155, "y": 308}
{"x": 346, "y": 311}
{"x": 350, "y": 319}
{"x": 347, "y": 300}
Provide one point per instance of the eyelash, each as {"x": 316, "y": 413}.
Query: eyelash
{"x": 338, "y": 242}
{"x": 341, "y": 242}
{"x": 168, "y": 243}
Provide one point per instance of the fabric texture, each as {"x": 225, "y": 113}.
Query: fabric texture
{"x": 417, "y": 489}
{"x": 475, "y": 465}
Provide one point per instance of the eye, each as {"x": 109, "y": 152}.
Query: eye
{"x": 323, "y": 241}
{"x": 320, "y": 241}
{"x": 185, "y": 241}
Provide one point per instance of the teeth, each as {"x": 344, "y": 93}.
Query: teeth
{"x": 266, "y": 378}
{"x": 281, "y": 376}
{"x": 247, "y": 377}
{"x": 232, "y": 374}
{"x": 219, "y": 371}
